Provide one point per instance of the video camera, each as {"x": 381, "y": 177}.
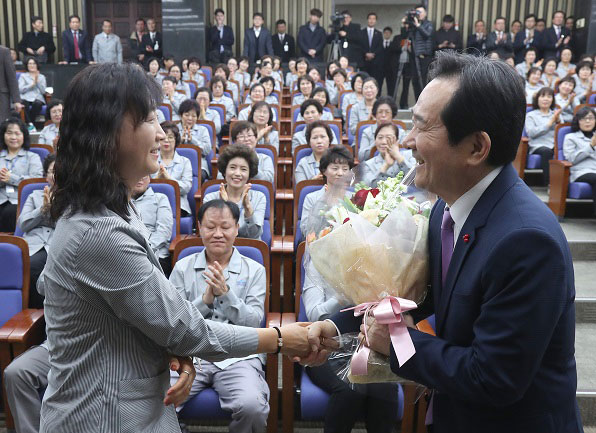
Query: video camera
{"x": 337, "y": 21}
{"x": 410, "y": 15}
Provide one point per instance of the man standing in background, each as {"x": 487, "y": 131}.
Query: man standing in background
{"x": 152, "y": 44}
{"x": 76, "y": 45}
{"x": 351, "y": 42}
{"x": 37, "y": 43}
{"x": 220, "y": 39}
{"x": 9, "y": 88}
{"x": 391, "y": 53}
{"x": 312, "y": 37}
{"x": 257, "y": 40}
{"x": 373, "y": 51}
{"x": 284, "y": 45}
{"x": 106, "y": 45}
{"x": 447, "y": 37}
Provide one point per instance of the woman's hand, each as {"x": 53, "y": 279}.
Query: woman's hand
{"x": 4, "y": 174}
{"x": 393, "y": 149}
{"x": 248, "y": 210}
{"x": 557, "y": 115}
{"x": 47, "y": 198}
{"x": 264, "y": 132}
{"x": 163, "y": 173}
{"x": 178, "y": 393}
{"x": 593, "y": 142}
{"x": 223, "y": 193}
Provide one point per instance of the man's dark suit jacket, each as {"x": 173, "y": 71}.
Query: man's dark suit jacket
{"x": 503, "y": 359}
{"x": 147, "y": 41}
{"x": 214, "y": 40}
{"x": 480, "y": 45}
{"x": 391, "y": 55}
{"x": 309, "y": 40}
{"x": 373, "y": 66}
{"x": 43, "y": 39}
{"x": 504, "y": 49}
{"x": 250, "y": 44}
{"x": 519, "y": 48}
{"x": 278, "y": 47}
{"x": 84, "y": 46}
{"x": 355, "y": 49}
{"x": 549, "y": 42}
{"x": 9, "y": 87}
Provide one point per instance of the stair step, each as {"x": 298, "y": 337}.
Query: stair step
{"x": 586, "y": 401}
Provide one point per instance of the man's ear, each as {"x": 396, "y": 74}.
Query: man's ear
{"x": 477, "y": 148}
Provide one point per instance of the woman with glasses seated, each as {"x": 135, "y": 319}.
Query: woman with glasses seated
{"x": 319, "y": 137}
{"x": 384, "y": 111}
{"x": 246, "y": 134}
{"x": 262, "y": 116}
{"x": 193, "y": 133}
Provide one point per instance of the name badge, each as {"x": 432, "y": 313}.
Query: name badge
{"x": 9, "y": 189}
{"x": 286, "y": 48}
{"x": 345, "y": 44}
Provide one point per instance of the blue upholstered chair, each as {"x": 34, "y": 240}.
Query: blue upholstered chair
{"x": 172, "y": 191}
{"x": 42, "y": 150}
{"x": 26, "y": 187}
{"x": 166, "y": 110}
{"x": 302, "y": 190}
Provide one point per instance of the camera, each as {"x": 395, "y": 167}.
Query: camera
{"x": 337, "y": 21}
{"x": 410, "y": 15}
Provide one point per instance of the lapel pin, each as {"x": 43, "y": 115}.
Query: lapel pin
{"x": 466, "y": 238}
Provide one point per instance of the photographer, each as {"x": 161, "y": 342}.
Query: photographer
{"x": 420, "y": 31}
{"x": 351, "y": 45}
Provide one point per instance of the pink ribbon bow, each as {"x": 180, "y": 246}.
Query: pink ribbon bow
{"x": 388, "y": 312}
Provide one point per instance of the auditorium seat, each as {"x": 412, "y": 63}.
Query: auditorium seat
{"x": 171, "y": 190}
{"x": 26, "y": 187}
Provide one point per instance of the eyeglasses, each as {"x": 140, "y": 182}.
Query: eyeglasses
{"x": 588, "y": 118}
{"x": 246, "y": 135}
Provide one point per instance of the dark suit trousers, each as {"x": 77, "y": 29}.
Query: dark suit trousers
{"x": 379, "y": 401}
{"x": 413, "y": 73}
{"x": 375, "y": 70}
{"x": 32, "y": 109}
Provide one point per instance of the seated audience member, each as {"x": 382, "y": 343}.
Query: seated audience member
{"x": 566, "y": 98}
{"x": 510, "y": 60}
{"x": 14, "y": 56}
{"x": 331, "y": 68}
{"x": 203, "y": 97}
{"x": 384, "y": 111}
{"x": 168, "y": 62}
{"x": 237, "y": 164}
{"x": 583, "y": 80}
{"x": 156, "y": 214}
{"x": 16, "y": 164}
{"x": 154, "y": 67}
{"x": 338, "y": 83}
{"x": 217, "y": 86}
{"x": 49, "y": 134}
{"x": 172, "y": 97}
{"x": 246, "y": 134}
{"x": 580, "y": 149}
{"x": 175, "y": 72}
{"x": 306, "y": 86}
{"x": 193, "y": 133}
{"x": 269, "y": 85}
{"x": 265, "y": 71}
{"x": 277, "y": 72}
{"x": 32, "y": 87}
{"x": 533, "y": 83}
{"x": 565, "y": 67}
{"x": 301, "y": 70}
{"x": 335, "y": 166}
{"x": 223, "y": 72}
{"x": 235, "y": 73}
{"x": 362, "y": 110}
{"x": 319, "y": 137}
{"x": 549, "y": 73}
{"x": 256, "y": 94}
{"x": 174, "y": 166}
{"x": 311, "y": 111}
{"x": 262, "y": 116}
{"x": 227, "y": 287}
{"x": 540, "y": 127}
{"x": 390, "y": 160}
{"x": 529, "y": 61}
{"x": 320, "y": 94}
{"x": 315, "y": 75}
{"x": 193, "y": 73}
{"x": 291, "y": 75}
{"x": 243, "y": 65}
{"x": 354, "y": 97}
{"x": 38, "y": 229}
{"x": 184, "y": 65}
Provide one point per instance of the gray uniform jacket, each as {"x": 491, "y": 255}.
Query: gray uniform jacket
{"x": 371, "y": 169}
{"x": 307, "y": 168}
{"x": 36, "y": 225}
{"x": 30, "y": 90}
{"x": 299, "y": 138}
{"x": 539, "y": 133}
{"x": 251, "y": 227}
{"x": 112, "y": 321}
{"x": 580, "y": 153}
{"x": 156, "y": 214}
{"x": 229, "y": 104}
{"x": 23, "y": 166}
{"x": 358, "y": 113}
{"x": 181, "y": 171}
{"x": 48, "y": 133}
{"x": 107, "y": 48}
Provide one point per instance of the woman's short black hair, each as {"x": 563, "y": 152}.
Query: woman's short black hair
{"x": 86, "y": 171}
{"x": 263, "y": 80}
{"x": 169, "y": 126}
{"x": 497, "y": 93}
{"x": 318, "y": 124}
{"x": 254, "y": 86}
{"x": 567, "y": 79}
{"x": 27, "y": 59}
{"x": 341, "y": 72}
{"x": 308, "y": 103}
{"x": 547, "y": 60}
{"x": 53, "y": 103}
{"x": 584, "y": 64}
{"x": 531, "y": 49}
{"x": 170, "y": 79}
{"x": 336, "y": 155}
{"x": 189, "y": 105}
{"x": 215, "y": 80}
{"x": 203, "y": 89}
{"x": 319, "y": 89}
{"x": 371, "y": 80}
{"x": 391, "y": 125}
{"x": 385, "y": 100}
{"x": 303, "y": 60}
{"x": 219, "y": 204}
{"x": 532, "y": 70}
{"x": 47, "y": 162}
{"x": 307, "y": 78}
{"x": 361, "y": 75}
{"x": 194, "y": 59}
{"x": 543, "y": 91}
{"x": 151, "y": 60}
{"x": 14, "y": 120}
{"x": 336, "y": 63}
{"x": 238, "y": 151}
{"x": 242, "y": 126}
{"x": 258, "y": 105}
{"x": 223, "y": 67}
{"x": 581, "y": 113}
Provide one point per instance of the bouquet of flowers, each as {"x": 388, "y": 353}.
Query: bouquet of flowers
{"x": 373, "y": 254}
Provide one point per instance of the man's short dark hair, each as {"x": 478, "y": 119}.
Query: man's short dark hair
{"x": 238, "y": 151}
{"x": 448, "y": 19}
{"x": 478, "y": 21}
{"x": 318, "y": 124}
{"x": 559, "y": 12}
{"x": 527, "y": 17}
{"x": 170, "y": 79}
{"x": 387, "y": 101}
{"x": 308, "y": 103}
{"x": 346, "y": 12}
{"x": 36, "y": 18}
{"x": 336, "y": 155}
{"x": 316, "y": 12}
{"x": 74, "y": 16}
{"x": 47, "y": 162}
{"x": 500, "y": 18}
{"x": 370, "y": 14}
{"x": 168, "y": 57}
{"x": 387, "y": 29}
{"x": 541, "y": 92}
{"x": 218, "y": 11}
{"x": 497, "y": 93}
{"x": 219, "y": 204}
{"x": 106, "y": 21}
{"x": 581, "y": 113}
{"x": 278, "y": 22}
{"x": 140, "y": 19}
{"x": 194, "y": 59}
{"x": 420, "y": 6}
{"x": 258, "y": 14}
{"x": 540, "y": 20}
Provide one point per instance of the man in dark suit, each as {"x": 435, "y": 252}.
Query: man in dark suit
{"x": 499, "y": 40}
{"x": 152, "y": 43}
{"x": 76, "y": 45}
{"x": 501, "y": 271}
{"x": 477, "y": 39}
{"x": 391, "y": 53}
{"x": 9, "y": 87}
{"x": 526, "y": 38}
{"x": 284, "y": 46}
{"x": 257, "y": 40}
{"x": 373, "y": 48}
{"x": 351, "y": 40}
{"x": 312, "y": 37}
{"x": 555, "y": 37}
{"x": 220, "y": 39}
{"x": 37, "y": 43}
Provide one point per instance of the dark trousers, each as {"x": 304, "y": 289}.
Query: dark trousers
{"x": 8, "y": 217}
{"x": 32, "y": 110}
{"x": 546, "y": 154}
{"x": 390, "y": 77}
{"x": 215, "y": 56}
{"x": 379, "y": 401}
{"x": 36, "y": 264}
{"x": 375, "y": 70}
{"x": 591, "y": 179}
{"x": 412, "y": 75}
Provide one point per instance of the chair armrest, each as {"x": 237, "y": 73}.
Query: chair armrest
{"x": 273, "y": 319}
{"x": 25, "y": 327}
{"x": 288, "y": 318}
{"x": 178, "y": 239}
{"x": 558, "y": 163}
{"x": 559, "y": 184}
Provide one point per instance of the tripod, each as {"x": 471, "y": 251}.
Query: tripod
{"x": 335, "y": 51}
{"x": 403, "y": 60}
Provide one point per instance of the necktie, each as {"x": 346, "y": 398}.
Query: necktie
{"x": 77, "y": 53}
{"x": 386, "y": 44}
{"x": 446, "y": 243}
{"x": 370, "y": 36}
{"x": 558, "y": 31}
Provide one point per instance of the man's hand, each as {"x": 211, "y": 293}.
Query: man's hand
{"x": 63, "y": 62}
{"x": 40, "y": 50}
{"x": 295, "y": 339}
{"x": 342, "y": 33}
{"x": 208, "y": 297}
{"x": 178, "y": 393}
{"x": 320, "y": 339}
{"x": 312, "y": 52}
{"x": 369, "y": 56}
{"x": 378, "y": 336}
{"x": 18, "y": 107}
{"x": 216, "y": 279}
